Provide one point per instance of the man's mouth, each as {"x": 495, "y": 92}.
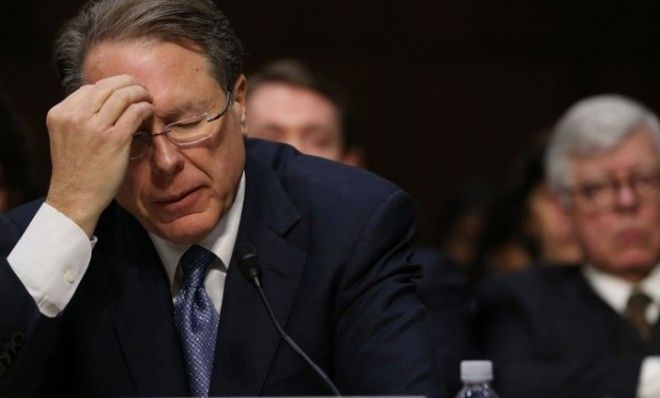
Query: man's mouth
{"x": 631, "y": 236}
{"x": 180, "y": 200}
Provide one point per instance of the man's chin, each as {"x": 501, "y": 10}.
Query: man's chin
{"x": 186, "y": 230}
{"x": 635, "y": 266}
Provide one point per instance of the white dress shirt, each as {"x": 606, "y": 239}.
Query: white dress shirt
{"x": 615, "y": 292}
{"x": 51, "y": 265}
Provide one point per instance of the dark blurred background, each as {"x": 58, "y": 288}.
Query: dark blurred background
{"x": 445, "y": 92}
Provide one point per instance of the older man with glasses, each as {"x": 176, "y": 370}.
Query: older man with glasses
{"x": 589, "y": 331}
{"x": 127, "y": 280}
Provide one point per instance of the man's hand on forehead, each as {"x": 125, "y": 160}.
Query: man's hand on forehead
{"x": 90, "y": 136}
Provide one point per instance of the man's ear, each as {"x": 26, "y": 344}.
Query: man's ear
{"x": 354, "y": 156}
{"x": 238, "y": 107}
{"x": 240, "y": 89}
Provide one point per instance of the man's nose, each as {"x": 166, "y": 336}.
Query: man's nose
{"x": 165, "y": 156}
{"x": 626, "y": 197}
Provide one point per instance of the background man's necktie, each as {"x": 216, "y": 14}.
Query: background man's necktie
{"x": 196, "y": 320}
{"x": 636, "y": 313}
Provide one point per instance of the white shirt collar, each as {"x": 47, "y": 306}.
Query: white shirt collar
{"x": 651, "y": 285}
{"x": 221, "y": 240}
{"x": 615, "y": 291}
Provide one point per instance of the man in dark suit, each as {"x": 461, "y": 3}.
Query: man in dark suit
{"x": 591, "y": 330}
{"x": 124, "y": 281}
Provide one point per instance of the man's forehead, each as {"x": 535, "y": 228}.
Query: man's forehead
{"x": 143, "y": 58}
{"x": 177, "y": 77}
{"x": 292, "y": 105}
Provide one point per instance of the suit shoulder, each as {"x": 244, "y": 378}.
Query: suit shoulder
{"x": 540, "y": 281}
{"x": 324, "y": 179}
{"x": 437, "y": 267}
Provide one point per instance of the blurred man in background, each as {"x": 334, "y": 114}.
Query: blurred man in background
{"x": 526, "y": 225}
{"x": 589, "y": 331}
{"x": 288, "y": 103}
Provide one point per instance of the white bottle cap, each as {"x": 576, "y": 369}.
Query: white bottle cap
{"x": 475, "y": 371}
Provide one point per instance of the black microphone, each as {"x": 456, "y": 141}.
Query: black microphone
{"x": 250, "y": 266}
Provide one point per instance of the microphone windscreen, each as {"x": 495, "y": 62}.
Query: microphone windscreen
{"x": 248, "y": 261}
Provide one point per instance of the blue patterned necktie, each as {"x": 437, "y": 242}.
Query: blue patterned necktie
{"x": 196, "y": 320}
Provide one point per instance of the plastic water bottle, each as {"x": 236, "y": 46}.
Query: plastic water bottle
{"x": 476, "y": 377}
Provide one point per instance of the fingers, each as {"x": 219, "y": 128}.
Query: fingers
{"x": 119, "y": 102}
{"x": 91, "y": 97}
{"x": 104, "y": 89}
{"x": 97, "y": 107}
{"x": 133, "y": 116}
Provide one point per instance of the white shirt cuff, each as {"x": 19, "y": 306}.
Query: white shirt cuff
{"x": 649, "y": 378}
{"x": 51, "y": 258}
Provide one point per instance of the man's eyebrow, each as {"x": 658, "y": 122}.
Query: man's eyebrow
{"x": 177, "y": 111}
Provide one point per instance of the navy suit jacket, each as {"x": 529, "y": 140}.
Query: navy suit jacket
{"x": 336, "y": 245}
{"x": 550, "y": 335}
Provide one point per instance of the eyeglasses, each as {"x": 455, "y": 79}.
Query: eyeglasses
{"x": 602, "y": 194}
{"x": 181, "y": 133}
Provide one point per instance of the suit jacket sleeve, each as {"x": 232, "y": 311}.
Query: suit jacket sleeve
{"x": 519, "y": 329}
{"x": 381, "y": 339}
{"x": 26, "y": 336}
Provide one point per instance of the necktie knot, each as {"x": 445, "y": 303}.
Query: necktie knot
{"x": 194, "y": 264}
{"x": 635, "y": 312}
{"x": 639, "y": 299}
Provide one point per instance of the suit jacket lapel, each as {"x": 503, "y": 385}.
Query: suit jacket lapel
{"x": 654, "y": 345}
{"x": 142, "y": 309}
{"x": 247, "y": 341}
{"x": 616, "y": 331}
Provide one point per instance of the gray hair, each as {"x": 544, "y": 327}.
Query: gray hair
{"x": 590, "y": 126}
{"x": 199, "y": 22}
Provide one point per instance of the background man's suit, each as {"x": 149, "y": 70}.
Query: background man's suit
{"x": 449, "y": 301}
{"x": 335, "y": 243}
{"x": 550, "y": 335}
